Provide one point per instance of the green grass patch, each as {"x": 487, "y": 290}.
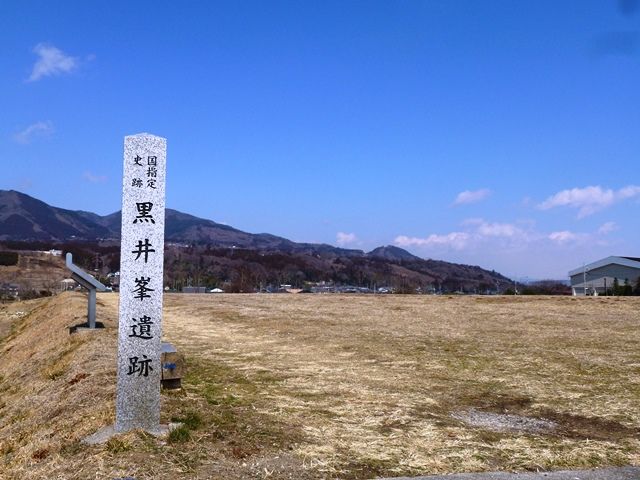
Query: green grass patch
{"x": 190, "y": 419}
{"x": 222, "y": 405}
{"x": 179, "y": 434}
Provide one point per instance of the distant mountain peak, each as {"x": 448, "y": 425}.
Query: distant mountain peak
{"x": 393, "y": 253}
{"x": 24, "y": 218}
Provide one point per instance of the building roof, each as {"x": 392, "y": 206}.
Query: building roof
{"x": 633, "y": 262}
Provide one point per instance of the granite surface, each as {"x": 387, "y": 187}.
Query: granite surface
{"x": 141, "y": 283}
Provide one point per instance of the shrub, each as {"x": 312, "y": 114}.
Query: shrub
{"x": 179, "y": 434}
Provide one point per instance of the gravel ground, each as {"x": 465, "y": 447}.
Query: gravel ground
{"x": 623, "y": 473}
{"x": 504, "y": 422}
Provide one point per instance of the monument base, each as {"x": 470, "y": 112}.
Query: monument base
{"x": 107, "y": 433}
{"x": 85, "y": 327}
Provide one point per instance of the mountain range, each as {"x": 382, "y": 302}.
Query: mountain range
{"x": 24, "y": 218}
{"x": 267, "y": 257}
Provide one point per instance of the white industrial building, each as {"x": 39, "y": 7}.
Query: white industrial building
{"x": 595, "y": 278}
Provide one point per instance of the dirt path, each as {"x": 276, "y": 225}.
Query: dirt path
{"x": 621, "y": 473}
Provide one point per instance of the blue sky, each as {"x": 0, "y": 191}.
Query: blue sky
{"x": 498, "y": 133}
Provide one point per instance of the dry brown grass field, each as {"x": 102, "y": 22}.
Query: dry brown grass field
{"x": 331, "y": 386}
{"x": 37, "y": 271}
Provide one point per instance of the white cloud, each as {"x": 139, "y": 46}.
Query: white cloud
{"x": 343, "y": 239}
{"x": 499, "y": 230}
{"x": 454, "y": 240}
{"x": 628, "y": 192}
{"x": 607, "y": 227}
{"x": 590, "y": 199}
{"x": 93, "y": 178}
{"x": 36, "y": 130}
{"x": 563, "y": 236}
{"x": 495, "y": 236}
{"x": 515, "y": 247}
{"x": 479, "y": 231}
{"x": 469, "y": 196}
{"x": 51, "y": 61}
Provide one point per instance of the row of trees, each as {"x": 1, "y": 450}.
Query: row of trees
{"x": 624, "y": 290}
{"x": 245, "y": 270}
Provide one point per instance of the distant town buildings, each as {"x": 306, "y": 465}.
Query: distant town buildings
{"x": 9, "y": 290}
{"x": 194, "y": 289}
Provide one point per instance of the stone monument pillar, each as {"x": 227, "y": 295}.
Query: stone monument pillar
{"x": 141, "y": 284}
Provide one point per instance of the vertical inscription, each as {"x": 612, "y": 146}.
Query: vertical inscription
{"x": 141, "y": 282}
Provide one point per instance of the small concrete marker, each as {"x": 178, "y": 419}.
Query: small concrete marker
{"x": 141, "y": 284}
{"x": 105, "y": 434}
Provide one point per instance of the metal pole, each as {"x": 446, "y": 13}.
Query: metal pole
{"x": 91, "y": 313}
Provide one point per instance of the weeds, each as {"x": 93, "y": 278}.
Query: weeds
{"x": 179, "y": 434}
{"x": 191, "y": 420}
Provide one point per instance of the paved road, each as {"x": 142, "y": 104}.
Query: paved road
{"x": 623, "y": 473}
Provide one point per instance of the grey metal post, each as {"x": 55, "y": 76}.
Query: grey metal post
{"x": 88, "y": 282}
{"x": 91, "y": 310}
